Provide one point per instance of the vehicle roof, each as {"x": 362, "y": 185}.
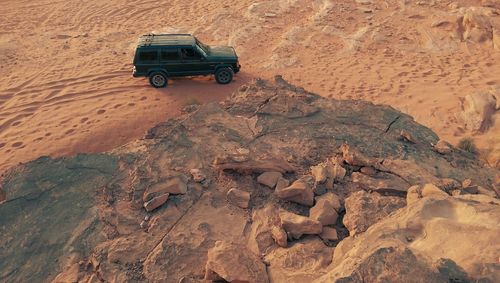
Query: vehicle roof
{"x": 166, "y": 40}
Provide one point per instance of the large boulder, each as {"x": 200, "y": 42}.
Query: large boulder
{"x": 234, "y": 263}
{"x": 478, "y": 109}
{"x": 477, "y": 25}
{"x": 420, "y": 236}
{"x": 364, "y": 209}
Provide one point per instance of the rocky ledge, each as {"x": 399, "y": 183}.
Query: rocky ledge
{"x": 275, "y": 184}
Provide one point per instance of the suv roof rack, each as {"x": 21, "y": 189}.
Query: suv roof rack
{"x": 166, "y": 39}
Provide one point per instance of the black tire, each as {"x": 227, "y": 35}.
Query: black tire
{"x": 158, "y": 79}
{"x": 224, "y": 75}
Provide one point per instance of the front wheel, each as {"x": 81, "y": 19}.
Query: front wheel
{"x": 224, "y": 75}
{"x": 158, "y": 80}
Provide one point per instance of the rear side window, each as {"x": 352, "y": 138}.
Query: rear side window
{"x": 148, "y": 56}
{"x": 170, "y": 55}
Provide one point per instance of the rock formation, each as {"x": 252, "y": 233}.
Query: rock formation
{"x": 157, "y": 209}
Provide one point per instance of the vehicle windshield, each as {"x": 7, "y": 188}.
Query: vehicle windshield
{"x": 203, "y": 46}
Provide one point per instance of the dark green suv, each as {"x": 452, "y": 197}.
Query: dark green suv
{"x": 160, "y": 56}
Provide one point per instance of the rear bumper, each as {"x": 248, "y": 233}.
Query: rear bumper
{"x": 135, "y": 74}
{"x": 238, "y": 67}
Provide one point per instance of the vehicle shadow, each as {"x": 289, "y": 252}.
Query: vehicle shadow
{"x": 202, "y": 89}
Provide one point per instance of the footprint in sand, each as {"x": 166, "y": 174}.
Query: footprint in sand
{"x": 17, "y": 144}
{"x": 69, "y": 131}
{"x": 2, "y": 144}
{"x": 117, "y": 106}
{"x": 144, "y": 98}
{"x": 83, "y": 120}
{"x": 131, "y": 104}
{"x": 48, "y": 134}
{"x": 16, "y": 123}
{"x": 38, "y": 139}
{"x": 100, "y": 111}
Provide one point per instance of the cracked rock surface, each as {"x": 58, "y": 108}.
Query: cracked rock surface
{"x": 83, "y": 218}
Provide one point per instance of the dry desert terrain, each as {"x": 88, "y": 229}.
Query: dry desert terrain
{"x": 359, "y": 143}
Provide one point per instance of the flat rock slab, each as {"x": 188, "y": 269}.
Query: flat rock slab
{"x": 88, "y": 206}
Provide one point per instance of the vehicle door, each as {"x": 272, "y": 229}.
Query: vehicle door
{"x": 146, "y": 59}
{"x": 194, "y": 63}
{"x": 170, "y": 59}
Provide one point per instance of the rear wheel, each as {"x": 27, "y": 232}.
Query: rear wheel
{"x": 224, "y": 75}
{"x": 158, "y": 80}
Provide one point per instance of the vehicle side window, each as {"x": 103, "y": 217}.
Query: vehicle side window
{"x": 148, "y": 56}
{"x": 190, "y": 54}
{"x": 169, "y": 55}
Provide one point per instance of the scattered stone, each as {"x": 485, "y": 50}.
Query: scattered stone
{"x": 238, "y": 197}
{"x": 431, "y": 190}
{"x": 324, "y": 212}
{"x": 328, "y": 172}
{"x": 156, "y": 202}
{"x": 364, "y": 209}
{"x": 329, "y": 234}
{"x": 174, "y": 185}
{"x": 198, "y": 175}
{"x": 354, "y": 157}
{"x": 442, "y": 147}
{"x": 300, "y": 191}
{"x": 407, "y": 136}
{"x": 279, "y": 236}
{"x": 336, "y": 172}
{"x": 332, "y": 198}
{"x": 269, "y": 179}
{"x": 234, "y": 263}
{"x": 297, "y": 225}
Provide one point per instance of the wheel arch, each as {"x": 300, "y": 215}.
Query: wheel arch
{"x": 159, "y": 70}
{"x": 223, "y": 65}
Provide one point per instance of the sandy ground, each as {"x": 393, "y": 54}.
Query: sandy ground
{"x": 66, "y": 84}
